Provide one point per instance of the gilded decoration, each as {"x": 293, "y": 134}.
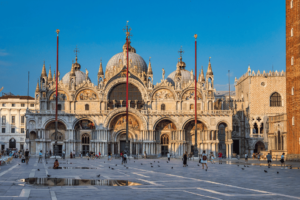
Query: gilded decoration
{"x": 62, "y": 96}
{"x": 191, "y": 126}
{"x": 120, "y": 123}
{"x": 86, "y": 95}
{"x": 188, "y": 95}
{"x": 163, "y": 95}
{"x": 165, "y": 126}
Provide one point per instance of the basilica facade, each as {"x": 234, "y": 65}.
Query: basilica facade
{"x": 92, "y": 116}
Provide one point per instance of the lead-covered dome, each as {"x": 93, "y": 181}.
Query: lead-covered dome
{"x": 80, "y": 77}
{"x": 185, "y": 76}
{"x": 136, "y": 62}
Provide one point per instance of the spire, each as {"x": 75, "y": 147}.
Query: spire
{"x": 37, "y": 87}
{"x": 54, "y": 77}
{"x": 44, "y": 70}
{"x": 201, "y": 75}
{"x": 178, "y": 72}
{"x": 72, "y": 71}
{"x": 149, "y": 68}
{"x": 100, "y": 72}
{"x": 209, "y": 70}
{"x": 50, "y": 74}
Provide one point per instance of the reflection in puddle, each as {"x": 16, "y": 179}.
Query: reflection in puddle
{"x": 74, "y": 182}
{"x": 73, "y": 168}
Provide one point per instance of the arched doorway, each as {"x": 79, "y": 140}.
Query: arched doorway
{"x": 85, "y": 142}
{"x": 259, "y": 146}
{"x": 164, "y": 141}
{"x": 59, "y": 137}
{"x": 166, "y": 128}
{"x": 221, "y": 136}
{"x": 12, "y": 143}
{"x": 190, "y": 135}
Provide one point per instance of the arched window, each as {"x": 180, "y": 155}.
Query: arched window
{"x": 12, "y": 143}
{"x": 163, "y": 107}
{"x": 293, "y": 121}
{"x": 164, "y": 139}
{"x": 192, "y": 107}
{"x": 85, "y": 139}
{"x": 292, "y": 90}
{"x": 292, "y": 60}
{"x": 275, "y": 100}
{"x": 291, "y": 3}
{"x": 292, "y": 32}
{"x": 87, "y": 107}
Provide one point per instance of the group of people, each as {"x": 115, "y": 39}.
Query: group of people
{"x": 282, "y": 160}
{"x": 123, "y": 157}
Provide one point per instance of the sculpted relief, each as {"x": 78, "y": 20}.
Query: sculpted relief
{"x": 120, "y": 123}
{"x": 189, "y": 95}
{"x": 62, "y": 96}
{"x": 86, "y": 95}
{"x": 163, "y": 95}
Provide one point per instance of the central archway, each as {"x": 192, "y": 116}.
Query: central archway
{"x": 189, "y": 129}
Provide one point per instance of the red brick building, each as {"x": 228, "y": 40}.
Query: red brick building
{"x": 293, "y": 78}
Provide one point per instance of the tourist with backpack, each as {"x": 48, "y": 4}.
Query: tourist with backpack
{"x": 204, "y": 160}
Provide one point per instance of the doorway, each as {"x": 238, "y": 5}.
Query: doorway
{"x": 59, "y": 150}
{"x": 164, "y": 144}
{"x": 236, "y": 147}
{"x": 164, "y": 150}
{"x": 123, "y": 145}
{"x": 85, "y": 149}
{"x": 2, "y": 147}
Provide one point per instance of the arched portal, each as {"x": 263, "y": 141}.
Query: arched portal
{"x": 59, "y": 137}
{"x": 12, "y": 143}
{"x": 85, "y": 141}
{"x": 164, "y": 144}
{"x": 190, "y": 134}
{"x": 221, "y": 136}
{"x": 259, "y": 146}
{"x": 166, "y": 131}
{"x": 84, "y": 134}
{"x": 32, "y": 137}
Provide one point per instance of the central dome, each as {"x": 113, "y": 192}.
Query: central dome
{"x": 185, "y": 77}
{"x": 136, "y": 62}
{"x": 80, "y": 77}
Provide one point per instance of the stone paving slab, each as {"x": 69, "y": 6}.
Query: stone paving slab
{"x": 226, "y": 181}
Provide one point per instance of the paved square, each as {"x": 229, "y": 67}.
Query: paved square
{"x": 226, "y": 181}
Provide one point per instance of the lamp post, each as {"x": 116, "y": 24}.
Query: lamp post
{"x": 195, "y": 148}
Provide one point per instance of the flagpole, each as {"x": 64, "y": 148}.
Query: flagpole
{"x": 127, "y": 42}
{"x": 56, "y": 93}
{"x": 196, "y": 148}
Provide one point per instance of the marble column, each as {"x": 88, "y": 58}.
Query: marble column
{"x": 226, "y": 150}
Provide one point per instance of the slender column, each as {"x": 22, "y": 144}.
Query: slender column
{"x": 226, "y": 150}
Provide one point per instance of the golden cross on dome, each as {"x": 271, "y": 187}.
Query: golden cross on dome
{"x": 127, "y": 30}
{"x": 76, "y": 51}
{"x": 180, "y": 52}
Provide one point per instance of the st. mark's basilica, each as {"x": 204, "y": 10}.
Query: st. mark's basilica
{"x": 92, "y": 117}
{"x": 161, "y": 117}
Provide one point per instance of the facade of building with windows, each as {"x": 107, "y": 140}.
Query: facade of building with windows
{"x": 161, "y": 117}
{"x": 13, "y": 120}
{"x": 260, "y": 102}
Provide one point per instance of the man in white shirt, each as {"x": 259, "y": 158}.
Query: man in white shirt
{"x": 168, "y": 155}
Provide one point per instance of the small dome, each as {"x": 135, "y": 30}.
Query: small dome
{"x": 80, "y": 77}
{"x": 134, "y": 60}
{"x": 185, "y": 76}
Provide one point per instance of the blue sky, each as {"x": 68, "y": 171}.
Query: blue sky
{"x": 233, "y": 33}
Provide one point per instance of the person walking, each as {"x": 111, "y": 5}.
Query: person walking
{"x": 220, "y": 157}
{"x": 246, "y": 158}
{"x": 122, "y": 157}
{"x": 73, "y": 153}
{"x": 109, "y": 156}
{"x": 185, "y": 159}
{"x": 50, "y": 153}
{"x": 145, "y": 154}
{"x": 63, "y": 154}
{"x": 46, "y": 155}
{"x": 26, "y": 156}
{"x": 204, "y": 160}
{"x": 282, "y": 161}
{"x": 269, "y": 157}
{"x": 40, "y": 157}
{"x": 168, "y": 155}
{"x": 125, "y": 157}
{"x": 212, "y": 158}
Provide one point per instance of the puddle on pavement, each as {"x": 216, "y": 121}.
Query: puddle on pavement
{"x": 77, "y": 182}
{"x": 74, "y": 168}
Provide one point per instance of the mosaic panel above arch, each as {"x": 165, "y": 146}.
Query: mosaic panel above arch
{"x": 87, "y": 95}
{"x": 119, "y": 123}
{"x": 163, "y": 94}
{"x": 190, "y": 94}
{"x": 62, "y": 96}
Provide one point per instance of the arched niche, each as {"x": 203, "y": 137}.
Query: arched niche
{"x": 50, "y": 130}
{"x": 87, "y": 95}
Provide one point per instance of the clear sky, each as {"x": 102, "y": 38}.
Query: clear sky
{"x": 234, "y": 33}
